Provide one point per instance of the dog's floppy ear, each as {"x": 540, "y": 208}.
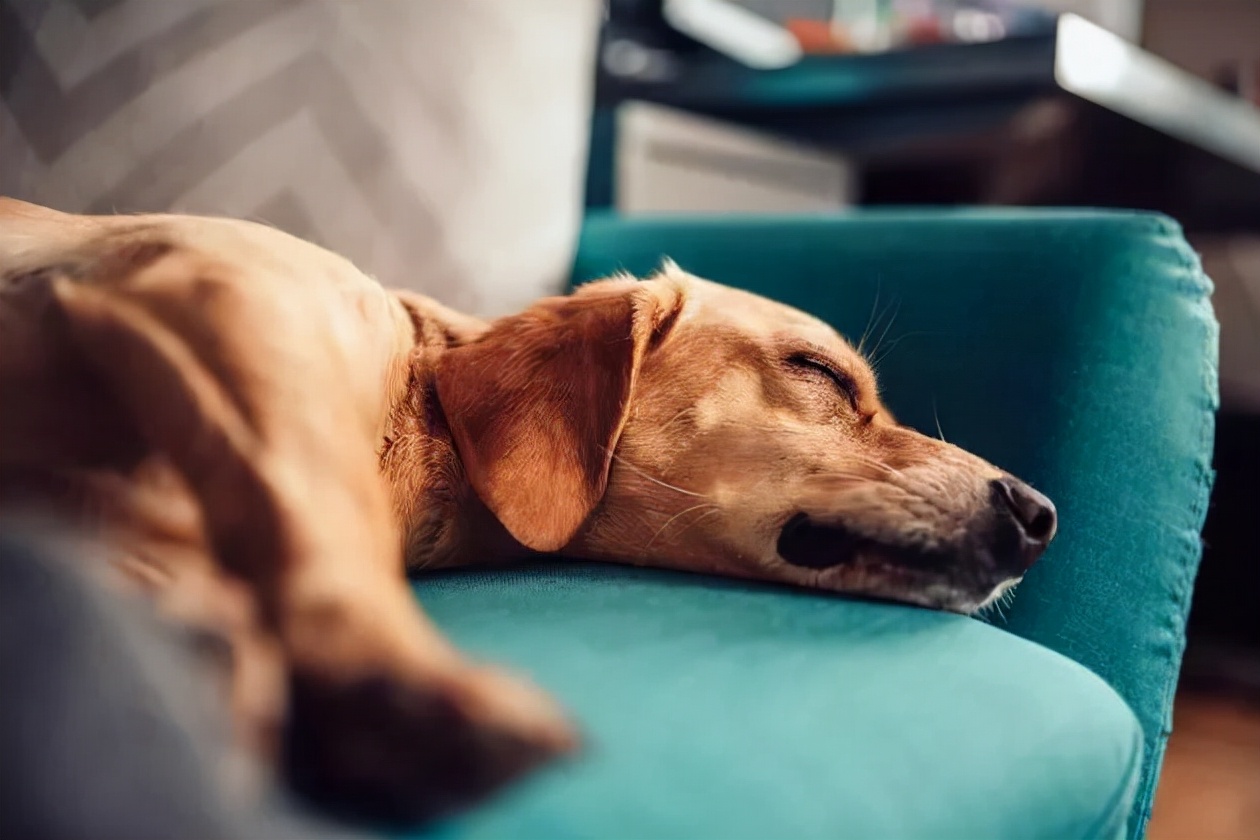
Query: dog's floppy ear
{"x": 536, "y": 405}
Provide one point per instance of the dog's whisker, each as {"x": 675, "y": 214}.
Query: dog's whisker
{"x": 1008, "y": 597}
{"x": 934, "y": 481}
{"x": 848, "y": 476}
{"x": 991, "y": 612}
{"x": 673, "y": 518}
{"x": 623, "y": 462}
{"x": 693, "y": 523}
{"x": 925, "y": 487}
{"x": 937, "y": 418}
{"x": 875, "y": 363}
{"x": 884, "y": 333}
{"x": 888, "y": 350}
{"x": 671, "y": 421}
{"x": 873, "y": 462}
{"x": 881, "y": 471}
{"x": 1000, "y": 604}
{"x": 870, "y": 319}
{"x": 894, "y": 476}
{"x": 879, "y": 319}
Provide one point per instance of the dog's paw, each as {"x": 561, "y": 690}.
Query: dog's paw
{"x": 401, "y": 751}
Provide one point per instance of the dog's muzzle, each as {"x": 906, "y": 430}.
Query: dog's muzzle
{"x": 1007, "y": 538}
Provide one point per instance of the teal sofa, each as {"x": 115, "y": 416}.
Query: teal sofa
{"x": 1077, "y": 349}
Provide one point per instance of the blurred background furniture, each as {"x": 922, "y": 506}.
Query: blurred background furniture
{"x": 1015, "y": 109}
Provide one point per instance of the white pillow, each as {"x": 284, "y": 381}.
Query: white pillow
{"x": 440, "y": 145}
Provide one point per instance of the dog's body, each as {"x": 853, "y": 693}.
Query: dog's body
{"x": 220, "y": 422}
{"x": 266, "y": 438}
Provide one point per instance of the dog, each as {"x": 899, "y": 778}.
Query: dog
{"x": 266, "y": 440}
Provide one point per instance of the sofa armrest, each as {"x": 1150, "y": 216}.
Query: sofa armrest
{"x": 1075, "y": 348}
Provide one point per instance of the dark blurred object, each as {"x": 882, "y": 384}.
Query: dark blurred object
{"x": 1242, "y": 78}
{"x": 110, "y": 727}
{"x": 1224, "y": 621}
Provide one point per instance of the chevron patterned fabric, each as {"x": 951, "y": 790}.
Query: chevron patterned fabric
{"x": 439, "y": 145}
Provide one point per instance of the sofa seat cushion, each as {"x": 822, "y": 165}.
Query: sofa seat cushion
{"x": 719, "y": 709}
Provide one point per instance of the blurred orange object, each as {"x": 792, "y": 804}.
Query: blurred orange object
{"x": 819, "y": 36}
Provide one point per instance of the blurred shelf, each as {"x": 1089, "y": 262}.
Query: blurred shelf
{"x": 895, "y": 105}
{"x": 709, "y": 81}
{"x": 857, "y": 101}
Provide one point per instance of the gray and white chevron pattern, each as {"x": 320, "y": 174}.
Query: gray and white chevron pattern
{"x": 437, "y": 143}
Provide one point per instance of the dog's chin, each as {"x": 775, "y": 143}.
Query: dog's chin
{"x": 844, "y": 560}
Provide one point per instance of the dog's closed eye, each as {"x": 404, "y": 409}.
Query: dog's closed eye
{"x": 837, "y": 379}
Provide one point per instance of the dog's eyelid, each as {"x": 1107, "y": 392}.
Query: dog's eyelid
{"x": 843, "y": 380}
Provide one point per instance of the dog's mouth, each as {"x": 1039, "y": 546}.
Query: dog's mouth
{"x": 858, "y": 564}
{"x": 814, "y": 545}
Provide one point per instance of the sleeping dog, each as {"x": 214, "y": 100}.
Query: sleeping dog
{"x": 265, "y": 439}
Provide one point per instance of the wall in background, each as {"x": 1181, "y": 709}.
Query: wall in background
{"x": 1203, "y": 36}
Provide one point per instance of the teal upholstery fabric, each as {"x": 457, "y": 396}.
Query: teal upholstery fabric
{"x": 715, "y": 709}
{"x": 1075, "y": 348}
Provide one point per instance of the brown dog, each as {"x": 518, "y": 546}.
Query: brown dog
{"x": 266, "y": 438}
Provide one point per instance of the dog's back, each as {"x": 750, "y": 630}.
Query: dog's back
{"x": 210, "y": 397}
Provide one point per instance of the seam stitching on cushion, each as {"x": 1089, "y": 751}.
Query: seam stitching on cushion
{"x": 1191, "y": 555}
{"x": 1117, "y": 807}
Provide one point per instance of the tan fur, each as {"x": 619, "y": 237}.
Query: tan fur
{"x": 266, "y": 438}
{"x": 707, "y": 441}
{"x": 250, "y": 379}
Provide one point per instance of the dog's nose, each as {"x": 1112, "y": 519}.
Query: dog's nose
{"x": 1031, "y": 511}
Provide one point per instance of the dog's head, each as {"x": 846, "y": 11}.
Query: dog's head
{"x": 680, "y": 423}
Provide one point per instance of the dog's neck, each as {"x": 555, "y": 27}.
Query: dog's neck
{"x": 442, "y": 520}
